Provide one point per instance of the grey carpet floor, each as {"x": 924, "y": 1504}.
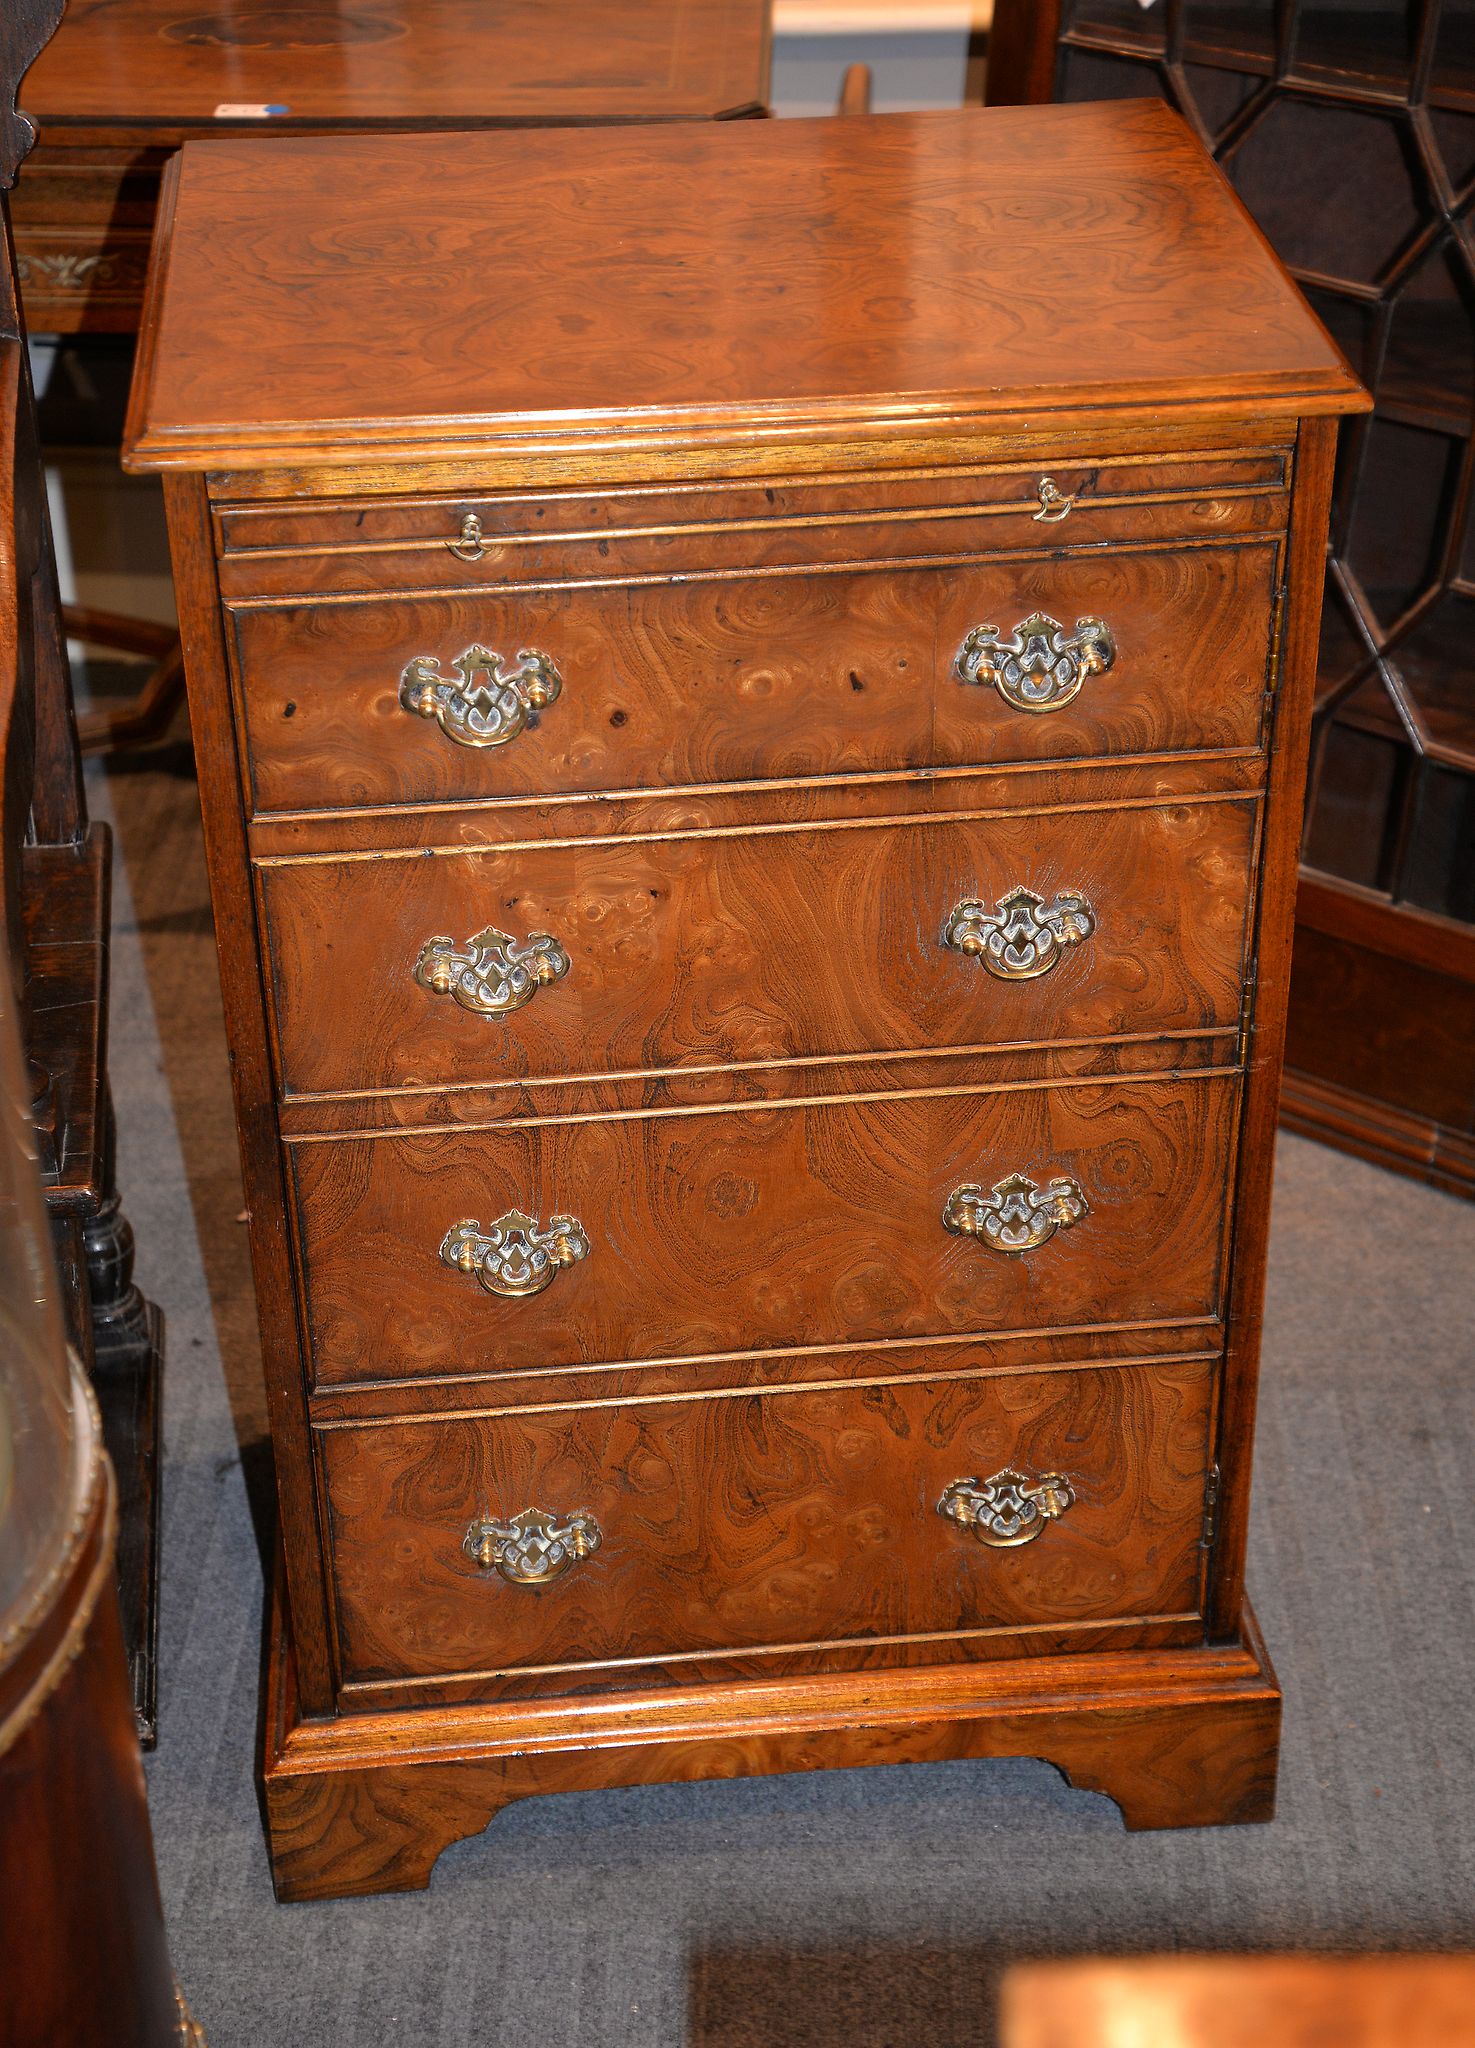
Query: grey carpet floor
{"x": 865, "y": 1909}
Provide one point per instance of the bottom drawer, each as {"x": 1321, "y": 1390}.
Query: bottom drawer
{"x": 792, "y": 1520}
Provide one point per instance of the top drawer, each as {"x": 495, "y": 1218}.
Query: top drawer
{"x": 396, "y": 543}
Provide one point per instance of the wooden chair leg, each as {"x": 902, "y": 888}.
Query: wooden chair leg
{"x": 855, "y": 90}
{"x": 133, "y": 725}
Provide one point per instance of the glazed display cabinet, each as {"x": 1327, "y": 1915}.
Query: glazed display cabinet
{"x": 1349, "y": 132}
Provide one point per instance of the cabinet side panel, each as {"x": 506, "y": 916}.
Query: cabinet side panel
{"x": 251, "y": 1077}
{"x": 1316, "y": 448}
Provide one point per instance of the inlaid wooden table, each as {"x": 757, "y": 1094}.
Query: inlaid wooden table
{"x": 125, "y": 82}
{"x": 751, "y": 692}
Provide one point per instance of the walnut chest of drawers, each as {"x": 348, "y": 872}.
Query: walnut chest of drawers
{"x": 750, "y": 688}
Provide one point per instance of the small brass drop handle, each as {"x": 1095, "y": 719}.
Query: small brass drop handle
{"x": 1039, "y": 666}
{"x": 1022, "y": 937}
{"x": 493, "y": 974}
{"x": 484, "y": 703}
{"x": 1016, "y": 1215}
{"x": 1054, "y": 505}
{"x": 470, "y": 547}
{"x": 515, "y": 1256}
{"x": 1009, "y": 1509}
{"x": 534, "y": 1547}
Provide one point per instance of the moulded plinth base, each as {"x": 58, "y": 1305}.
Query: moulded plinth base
{"x": 366, "y": 1803}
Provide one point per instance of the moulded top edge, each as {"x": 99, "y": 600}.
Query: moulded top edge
{"x": 319, "y": 302}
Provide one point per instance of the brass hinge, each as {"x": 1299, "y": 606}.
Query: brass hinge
{"x": 1211, "y": 1508}
{"x": 1272, "y": 680}
{"x": 1246, "y": 1018}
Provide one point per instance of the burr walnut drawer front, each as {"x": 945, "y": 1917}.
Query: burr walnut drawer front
{"x": 873, "y": 1525}
{"x": 624, "y": 955}
{"x": 574, "y": 1239}
{"x": 387, "y": 543}
{"x": 736, "y": 678}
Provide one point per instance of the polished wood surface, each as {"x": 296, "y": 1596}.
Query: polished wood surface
{"x": 77, "y": 1870}
{"x": 816, "y": 1222}
{"x": 1302, "y": 2001}
{"x": 1264, "y": 1042}
{"x": 760, "y": 1080}
{"x": 1380, "y": 1049}
{"x": 766, "y": 1522}
{"x": 365, "y": 543}
{"x": 126, "y": 81}
{"x": 728, "y": 678}
{"x": 762, "y": 317}
{"x": 126, "y": 63}
{"x": 690, "y": 951}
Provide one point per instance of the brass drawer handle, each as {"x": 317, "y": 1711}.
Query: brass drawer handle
{"x": 1016, "y": 1215}
{"x": 470, "y": 547}
{"x": 1054, "y": 505}
{"x": 490, "y": 704}
{"x": 493, "y": 973}
{"x": 1009, "y": 1509}
{"x": 515, "y": 1256}
{"x": 1022, "y": 936}
{"x": 1039, "y": 666}
{"x": 533, "y": 1547}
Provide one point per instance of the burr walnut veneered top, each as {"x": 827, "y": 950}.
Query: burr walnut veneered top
{"x": 1025, "y": 270}
{"x": 163, "y": 63}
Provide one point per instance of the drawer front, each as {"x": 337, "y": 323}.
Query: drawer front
{"x": 729, "y": 1525}
{"x": 620, "y": 956}
{"x": 793, "y": 1225}
{"x": 83, "y": 224}
{"x": 734, "y": 679}
{"x": 389, "y": 543}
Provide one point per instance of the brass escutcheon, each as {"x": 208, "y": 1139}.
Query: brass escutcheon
{"x": 533, "y": 1547}
{"x": 1016, "y": 1215}
{"x": 1022, "y": 936}
{"x": 1008, "y": 1509}
{"x": 515, "y": 1256}
{"x": 1039, "y": 666}
{"x": 493, "y": 973}
{"x": 490, "y": 704}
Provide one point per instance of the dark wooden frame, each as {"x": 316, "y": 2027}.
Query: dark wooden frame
{"x": 57, "y": 868}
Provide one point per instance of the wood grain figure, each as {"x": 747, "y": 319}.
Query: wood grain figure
{"x": 699, "y": 681}
{"x": 758, "y": 1229}
{"x": 686, "y": 951}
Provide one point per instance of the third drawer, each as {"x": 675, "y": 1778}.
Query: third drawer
{"x": 565, "y": 1241}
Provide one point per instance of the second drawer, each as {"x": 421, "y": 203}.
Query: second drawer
{"x": 609, "y": 956}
